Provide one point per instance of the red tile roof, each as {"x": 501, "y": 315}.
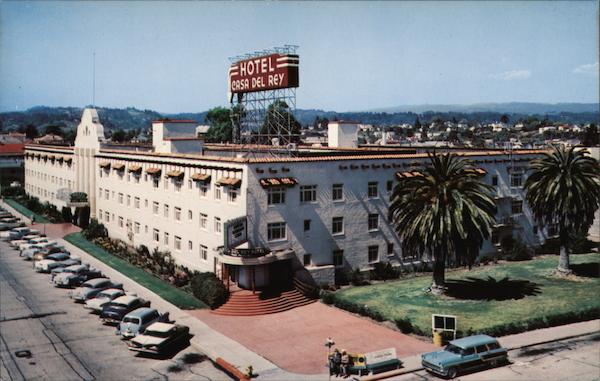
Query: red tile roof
{"x": 13, "y": 148}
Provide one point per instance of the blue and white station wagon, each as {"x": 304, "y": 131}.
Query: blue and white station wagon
{"x": 465, "y": 354}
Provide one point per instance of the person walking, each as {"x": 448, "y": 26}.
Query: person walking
{"x": 345, "y": 364}
{"x": 337, "y": 360}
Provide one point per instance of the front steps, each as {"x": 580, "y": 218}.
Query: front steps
{"x": 245, "y": 303}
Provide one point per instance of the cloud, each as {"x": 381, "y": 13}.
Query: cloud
{"x": 591, "y": 69}
{"x": 512, "y": 74}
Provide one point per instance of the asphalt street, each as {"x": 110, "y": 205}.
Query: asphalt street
{"x": 573, "y": 359}
{"x": 66, "y": 342}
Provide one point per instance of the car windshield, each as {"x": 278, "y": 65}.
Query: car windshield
{"x": 133, "y": 320}
{"x": 103, "y": 296}
{"x": 157, "y": 333}
{"x": 453, "y": 349}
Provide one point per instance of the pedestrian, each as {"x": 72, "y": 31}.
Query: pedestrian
{"x": 32, "y": 219}
{"x": 345, "y": 364}
{"x": 337, "y": 360}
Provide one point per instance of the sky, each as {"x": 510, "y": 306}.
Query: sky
{"x": 174, "y": 57}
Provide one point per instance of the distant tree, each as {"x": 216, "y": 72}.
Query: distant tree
{"x": 590, "y": 136}
{"x": 31, "y": 131}
{"x": 504, "y": 119}
{"x": 417, "y": 124}
{"x": 221, "y": 126}
{"x": 279, "y": 114}
{"x": 118, "y": 136}
{"x": 54, "y": 130}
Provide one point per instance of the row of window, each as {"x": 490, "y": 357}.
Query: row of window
{"x": 232, "y": 193}
{"x": 516, "y": 179}
{"x": 52, "y": 179}
{"x": 308, "y": 193}
{"x": 276, "y": 231}
{"x": 136, "y": 227}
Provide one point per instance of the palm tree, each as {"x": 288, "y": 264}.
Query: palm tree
{"x": 446, "y": 211}
{"x": 564, "y": 189}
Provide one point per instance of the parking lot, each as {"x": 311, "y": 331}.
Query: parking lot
{"x": 45, "y": 335}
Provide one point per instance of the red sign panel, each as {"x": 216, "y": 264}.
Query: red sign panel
{"x": 275, "y": 71}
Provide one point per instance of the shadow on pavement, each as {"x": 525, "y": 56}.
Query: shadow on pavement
{"x": 491, "y": 289}
{"x": 587, "y": 270}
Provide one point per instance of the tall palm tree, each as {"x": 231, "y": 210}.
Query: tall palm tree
{"x": 446, "y": 211}
{"x": 564, "y": 189}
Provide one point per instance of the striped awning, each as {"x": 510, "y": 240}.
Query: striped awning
{"x": 278, "y": 181}
{"x": 135, "y": 168}
{"x": 153, "y": 171}
{"x": 202, "y": 177}
{"x": 119, "y": 167}
{"x": 477, "y": 171}
{"x": 175, "y": 174}
{"x": 229, "y": 181}
{"x": 105, "y": 164}
{"x": 408, "y": 175}
{"x": 51, "y": 157}
{"x": 60, "y": 158}
{"x": 68, "y": 159}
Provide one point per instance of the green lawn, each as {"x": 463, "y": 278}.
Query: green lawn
{"x": 26, "y": 212}
{"x": 551, "y": 296}
{"x": 166, "y": 291}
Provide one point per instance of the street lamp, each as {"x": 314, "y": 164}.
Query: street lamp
{"x": 329, "y": 343}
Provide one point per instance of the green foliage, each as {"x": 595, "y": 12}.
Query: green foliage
{"x": 590, "y": 136}
{"x": 221, "y": 127}
{"x": 328, "y": 297}
{"x": 82, "y": 217}
{"x": 94, "y": 229}
{"x": 514, "y": 249}
{"x": 357, "y": 278}
{"x": 13, "y": 192}
{"x": 384, "y": 271}
{"x": 209, "y": 289}
{"x": 279, "y": 114}
{"x": 78, "y": 197}
{"x": 580, "y": 244}
{"x": 66, "y": 213}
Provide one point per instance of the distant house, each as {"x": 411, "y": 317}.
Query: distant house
{"x": 12, "y": 138}
{"x": 11, "y": 162}
{"x": 49, "y": 139}
{"x": 202, "y": 130}
{"x": 541, "y": 130}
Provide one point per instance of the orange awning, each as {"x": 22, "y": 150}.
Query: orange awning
{"x": 135, "y": 168}
{"x": 153, "y": 171}
{"x": 278, "y": 181}
{"x": 105, "y": 164}
{"x": 119, "y": 167}
{"x": 229, "y": 181}
{"x": 202, "y": 177}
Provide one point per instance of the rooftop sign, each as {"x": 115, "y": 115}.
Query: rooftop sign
{"x": 270, "y": 72}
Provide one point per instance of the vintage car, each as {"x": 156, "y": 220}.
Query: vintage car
{"x": 466, "y": 354}
{"x": 13, "y": 234}
{"x": 73, "y": 276}
{"x": 160, "y": 338}
{"x": 103, "y": 297}
{"x": 113, "y": 312}
{"x": 15, "y": 243}
{"x": 43, "y": 254}
{"x": 136, "y": 321}
{"x": 41, "y": 248}
{"x": 32, "y": 242}
{"x": 90, "y": 288}
{"x": 47, "y": 265}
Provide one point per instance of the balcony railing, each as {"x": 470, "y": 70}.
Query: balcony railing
{"x": 505, "y": 221}
{"x": 246, "y": 253}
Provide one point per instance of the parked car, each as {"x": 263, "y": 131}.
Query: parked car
{"x": 160, "y": 338}
{"x": 90, "y": 288}
{"x": 136, "y": 321}
{"x": 73, "y": 276}
{"x": 465, "y": 354}
{"x": 15, "y": 233}
{"x": 43, "y": 254}
{"x": 16, "y": 242}
{"x": 103, "y": 297}
{"x": 32, "y": 242}
{"x": 113, "y": 312}
{"x": 48, "y": 265}
{"x": 39, "y": 248}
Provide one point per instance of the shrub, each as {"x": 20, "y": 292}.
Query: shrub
{"x": 384, "y": 271}
{"x": 66, "y": 214}
{"x": 519, "y": 251}
{"x": 580, "y": 244}
{"x": 357, "y": 278}
{"x": 13, "y": 192}
{"x": 404, "y": 325}
{"x": 95, "y": 230}
{"x": 33, "y": 204}
{"x": 209, "y": 289}
{"x": 78, "y": 197}
{"x": 328, "y": 297}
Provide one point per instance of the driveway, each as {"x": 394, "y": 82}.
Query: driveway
{"x": 294, "y": 340}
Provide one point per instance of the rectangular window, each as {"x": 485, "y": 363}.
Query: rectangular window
{"x": 495, "y": 181}
{"x": 495, "y": 237}
{"x": 100, "y": 214}
{"x": 276, "y": 196}
{"x": 217, "y": 193}
{"x": 99, "y": 192}
{"x": 516, "y": 179}
{"x": 308, "y": 193}
{"x": 155, "y": 235}
{"x": 155, "y": 208}
{"x": 107, "y": 216}
{"x": 232, "y": 195}
{"x": 177, "y": 184}
{"x": 120, "y": 222}
{"x": 307, "y": 260}
{"x": 145, "y": 203}
{"x": 137, "y": 228}
{"x": 166, "y": 183}
{"x": 337, "y": 225}
{"x": 106, "y": 194}
{"x": 136, "y": 202}
{"x": 166, "y": 210}
{"x": 372, "y": 190}
{"x": 190, "y": 246}
{"x": 177, "y": 214}
{"x": 155, "y": 181}
{"x": 338, "y": 258}
{"x": 203, "y": 190}
{"x": 166, "y": 238}
{"x": 203, "y": 252}
{"x": 217, "y": 225}
{"x": 190, "y": 182}
{"x": 190, "y": 215}
{"x": 121, "y": 198}
{"x": 128, "y": 200}
{"x": 337, "y": 192}
{"x": 373, "y": 222}
{"x": 203, "y": 221}
{"x": 177, "y": 243}
{"x": 306, "y": 225}
{"x": 373, "y": 253}
{"x": 517, "y": 206}
{"x": 389, "y": 186}
{"x": 276, "y": 231}
{"x": 390, "y": 249}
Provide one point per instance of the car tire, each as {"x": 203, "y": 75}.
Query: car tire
{"x": 452, "y": 372}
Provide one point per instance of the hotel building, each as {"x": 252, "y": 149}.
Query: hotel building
{"x": 257, "y": 216}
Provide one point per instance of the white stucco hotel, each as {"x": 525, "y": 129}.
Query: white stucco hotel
{"x": 256, "y": 216}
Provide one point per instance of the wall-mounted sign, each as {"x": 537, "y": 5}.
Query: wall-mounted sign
{"x": 236, "y": 232}
{"x": 275, "y": 71}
